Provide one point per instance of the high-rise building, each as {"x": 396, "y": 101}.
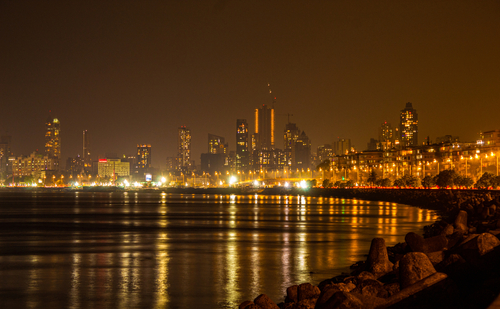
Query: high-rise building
{"x": 216, "y": 144}
{"x": 242, "y": 154}
{"x": 5, "y": 153}
{"x": 184, "y": 149}
{"x": 301, "y": 153}
{"x": 324, "y": 152}
{"x": 87, "y": 160}
{"x": 342, "y": 146}
{"x": 143, "y": 163}
{"x": 386, "y": 136}
{"x": 264, "y": 128}
{"x": 408, "y": 126}
{"x": 291, "y": 135}
{"x": 53, "y": 141}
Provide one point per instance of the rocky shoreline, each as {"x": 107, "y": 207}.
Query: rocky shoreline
{"x": 454, "y": 264}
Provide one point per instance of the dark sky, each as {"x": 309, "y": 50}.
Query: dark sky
{"x": 134, "y": 71}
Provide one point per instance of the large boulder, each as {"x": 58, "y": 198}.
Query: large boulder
{"x": 371, "y": 288}
{"x": 291, "y": 294}
{"x": 378, "y": 260}
{"x": 307, "y": 291}
{"x": 413, "y": 267}
{"x": 265, "y": 302}
{"x": 326, "y": 293}
{"x": 460, "y": 223}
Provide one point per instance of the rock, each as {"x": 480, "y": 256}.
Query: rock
{"x": 378, "y": 260}
{"x": 246, "y": 304}
{"x": 419, "y": 286}
{"x": 436, "y": 257}
{"x": 291, "y": 294}
{"x": 461, "y": 221}
{"x": 372, "y": 288}
{"x": 413, "y": 267}
{"x": 448, "y": 230}
{"x": 306, "y": 304}
{"x": 342, "y": 300}
{"x": 326, "y": 294}
{"x": 287, "y": 305}
{"x": 307, "y": 291}
{"x": 486, "y": 242}
{"x": 265, "y": 302}
{"x": 365, "y": 275}
{"x": 436, "y": 243}
{"x": 392, "y": 288}
{"x": 455, "y": 238}
{"x": 415, "y": 242}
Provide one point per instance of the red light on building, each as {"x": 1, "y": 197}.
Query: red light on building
{"x": 103, "y": 160}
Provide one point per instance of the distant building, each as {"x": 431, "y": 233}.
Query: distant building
{"x": 216, "y": 144}
{"x": 74, "y": 166}
{"x": 171, "y": 164}
{"x": 489, "y": 138}
{"x": 324, "y": 152}
{"x": 53, "y": 141}
{"x": 301, "y": 153}
{"x": 372, "y": 144}
{"x": 342, "y": 146}
{"x": 264, "y": 128}
{"x": 87, "y": 159}
{"x": 447, "y": 139}
{"x": 183, "y": 149}
{"x": 5, "y": 153}
{"x": 33, "y": 165}
{"x": 408, "y": 126}
{"x": 242, "y": 151}
{"x": 386, "y": 136}
{"x": 213, "y": 162}
{"x": 143, "y": 163}
{"x": 290, "y": 136}
{"x": 112, "y": 168}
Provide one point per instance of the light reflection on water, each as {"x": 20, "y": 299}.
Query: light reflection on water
{"x": 159, "y": 250}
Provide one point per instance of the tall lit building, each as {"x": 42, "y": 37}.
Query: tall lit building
{"x": 53, "y": 141}
{"x": 5, "y": 152}
{"x": 184, "y": 149}
{"x": 143, "y": 163}
{"x": 264, "y": 128}
{"x": 87, "y": 160}
{"x": 408, "y": 126}
{"x": 242, "y": 154}
{"x": 216, "y": 144}
{"x": 386, "y": 136}
{"x": 291, "y": 135}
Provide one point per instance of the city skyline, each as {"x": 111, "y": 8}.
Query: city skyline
{"x": 131, "y": 73}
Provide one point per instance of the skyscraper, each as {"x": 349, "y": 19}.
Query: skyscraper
{"x": 143, "y": 158}
{"x": 5, "y": 152}
{"x": 53, "y": 141}
{"x": 386, "y": 136}
{"x": 264, "y": 128}
{"x": 301, "y": 153}
{"x": 408, "y": 126}
{"x": 87, "y": 160}
{"x": 242, "y": 155}
{"x": 184, "y": 149}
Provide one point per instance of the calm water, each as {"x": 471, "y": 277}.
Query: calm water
{"x": 157, "y": 250}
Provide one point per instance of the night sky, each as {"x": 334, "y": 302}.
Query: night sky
{"x": 134, "y": 71}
